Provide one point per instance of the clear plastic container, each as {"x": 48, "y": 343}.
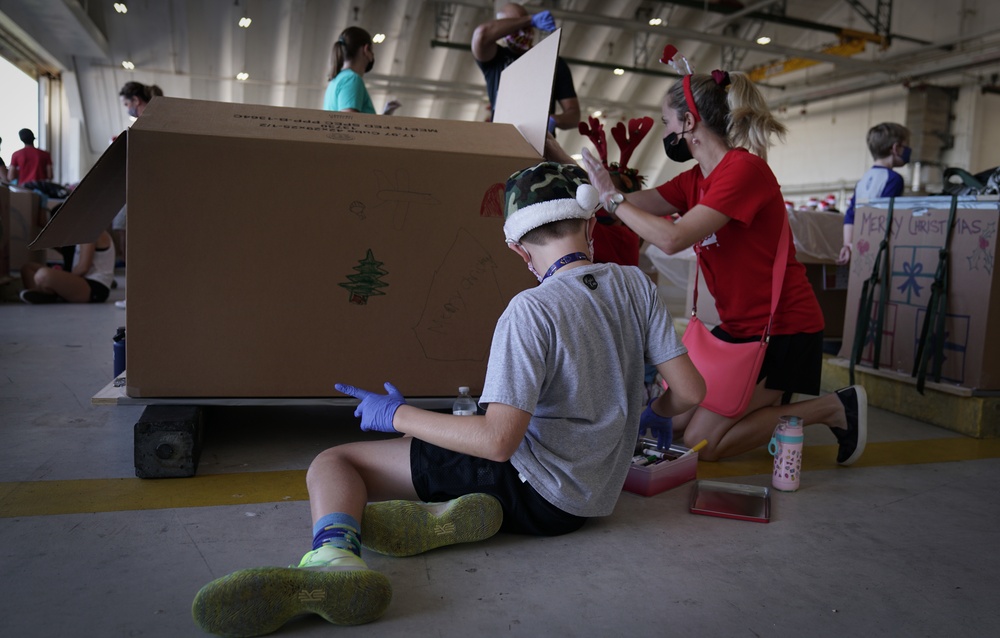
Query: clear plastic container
{"x": 464, "y": 404}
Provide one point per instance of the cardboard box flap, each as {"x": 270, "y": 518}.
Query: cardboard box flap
{"x": 254, "y": 121}
{"x": 93, "y": 203}
{"x": 526, "y": 90}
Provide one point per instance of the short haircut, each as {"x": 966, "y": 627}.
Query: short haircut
{"x": 27, "y": 137}
{"x": 882, "y": 136}
{"x": 553, "y": 230}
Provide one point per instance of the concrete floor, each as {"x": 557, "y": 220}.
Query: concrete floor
{"x": 897, "y": 545}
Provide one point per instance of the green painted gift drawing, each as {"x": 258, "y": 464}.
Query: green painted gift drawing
{"x": 367, "y": 281}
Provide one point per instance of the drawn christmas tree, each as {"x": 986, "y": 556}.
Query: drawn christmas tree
{"x": 366, "y": 282}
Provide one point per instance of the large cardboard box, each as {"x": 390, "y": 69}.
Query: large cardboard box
{"x": 917, "y": 235}
{"x": 273, "y": 251}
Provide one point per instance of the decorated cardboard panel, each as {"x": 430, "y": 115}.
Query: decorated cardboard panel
{"x": 917, "y": 240}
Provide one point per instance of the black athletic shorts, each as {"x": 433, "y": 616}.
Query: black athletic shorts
{"x": 792, "y": 363}
{"x": 441, "y": 475}
{"x": 98, "y": 292}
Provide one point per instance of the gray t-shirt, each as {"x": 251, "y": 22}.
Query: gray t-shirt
{"x": 572, "y": 352}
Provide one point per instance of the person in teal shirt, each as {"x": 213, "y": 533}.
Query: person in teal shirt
{"x": 351, "y": 58}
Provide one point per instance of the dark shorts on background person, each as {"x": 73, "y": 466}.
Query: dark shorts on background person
{"x": 792, "y": 363}
{"x": 442, "y": 475}
{"x": 98, "y": 292}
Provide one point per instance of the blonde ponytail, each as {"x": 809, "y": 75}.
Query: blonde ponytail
{"x": 750, "y": 123}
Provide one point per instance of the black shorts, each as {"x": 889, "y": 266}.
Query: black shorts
{"x": 98, "y": 292}
{"x": 792, "y": 363}
{"x": 441, "y": 475}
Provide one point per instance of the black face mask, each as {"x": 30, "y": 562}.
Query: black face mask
{"x": 371, "y": 65}
{"x": 676, "y": 148}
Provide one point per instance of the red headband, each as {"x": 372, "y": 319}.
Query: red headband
{"x": 689, "y": 98}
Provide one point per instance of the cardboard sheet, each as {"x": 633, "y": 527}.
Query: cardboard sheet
{"x": 526, "y": 91}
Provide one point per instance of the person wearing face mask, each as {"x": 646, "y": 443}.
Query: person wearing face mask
{"x": 498, "y": 43}
{"x": 135, "y": 96}
{"x": 887, "y": 143}
{"x": 563, "y": 399}
{"x": 729, "y": 206}
{"x": 351, "y": 58}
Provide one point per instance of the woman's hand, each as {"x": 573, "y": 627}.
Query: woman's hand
{"x": 391, "y": 106}
{"x": 599, "y": 176}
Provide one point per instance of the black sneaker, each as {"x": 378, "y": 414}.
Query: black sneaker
{"x": 852, "y": 440}
{"x": 37, "y": 297}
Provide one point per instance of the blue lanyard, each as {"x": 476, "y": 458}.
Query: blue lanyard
{"x": 562, "y": 261}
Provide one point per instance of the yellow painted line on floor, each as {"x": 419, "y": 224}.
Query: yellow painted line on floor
{"x": 888, "y": 453}
{"x": 48, "y": 498}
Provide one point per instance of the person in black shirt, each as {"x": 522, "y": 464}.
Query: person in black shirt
{"x": 498, "y": 43}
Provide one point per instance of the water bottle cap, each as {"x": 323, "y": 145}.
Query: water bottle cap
{"x": 463, "y": 388}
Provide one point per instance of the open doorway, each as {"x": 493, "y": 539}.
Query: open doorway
{"x": 18, "y": 109}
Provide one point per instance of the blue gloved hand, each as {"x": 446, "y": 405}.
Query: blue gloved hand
{"x": 376, "y": 410}
{"x": 543, "y": 21}
{"x": 662, "y": 426}
{"x": 552, "y": 125}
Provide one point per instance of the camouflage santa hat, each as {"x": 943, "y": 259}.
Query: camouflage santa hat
{"x": 545, "y": 193}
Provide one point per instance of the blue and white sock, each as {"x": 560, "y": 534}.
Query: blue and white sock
{"x": 338, "y": 530}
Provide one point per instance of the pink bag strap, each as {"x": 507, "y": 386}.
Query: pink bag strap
{"x": 777, "y": 275}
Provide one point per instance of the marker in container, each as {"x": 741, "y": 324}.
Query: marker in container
{"x": 696, "y": 447}
{"x": 660, "y": 454}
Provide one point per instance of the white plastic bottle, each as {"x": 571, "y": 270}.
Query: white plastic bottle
{"x": 464, "y": 404}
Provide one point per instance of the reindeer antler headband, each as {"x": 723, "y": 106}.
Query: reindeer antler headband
{"x": 627, "y": 140}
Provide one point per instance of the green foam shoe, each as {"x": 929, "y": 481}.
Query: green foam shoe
{"x": 406, "y": 528}
{"x": 258, "y": 601}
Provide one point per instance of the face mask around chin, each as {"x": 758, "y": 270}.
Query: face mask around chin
{"x": 371, "y": 65}
{"x": 905, "y": 157}
{"x": 676, "y": 148}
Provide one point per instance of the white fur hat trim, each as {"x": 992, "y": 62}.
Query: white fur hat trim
{"x": 531, "y": 217}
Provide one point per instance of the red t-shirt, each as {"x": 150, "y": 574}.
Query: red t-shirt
{"x": 737, "y": 260}
{"x": 31, "y": 164}
{"x": 615, "y": 244}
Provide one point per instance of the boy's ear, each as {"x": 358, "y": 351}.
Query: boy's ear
{"x": 520, "y": 251}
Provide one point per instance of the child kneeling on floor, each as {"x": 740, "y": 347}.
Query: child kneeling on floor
{"x": 564, "y": 395}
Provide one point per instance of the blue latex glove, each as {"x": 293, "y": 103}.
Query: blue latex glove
{"x": 552, "y": 125}
{"x": 662, "y": 426}
{"x": 376, "y": 410}
{"x": 543, "y": 21}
